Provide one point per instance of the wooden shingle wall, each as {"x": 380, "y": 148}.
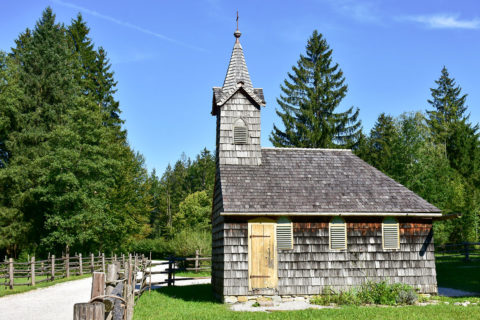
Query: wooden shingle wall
{"x": 311, "y": 266}
{"x": 239, "y": 107}
{"x": 217, "y": 230}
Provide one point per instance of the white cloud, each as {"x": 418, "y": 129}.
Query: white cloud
{"x": 362, "y": 11}
{"x": 444, "y": 21}
{"x": 125, "y": 24}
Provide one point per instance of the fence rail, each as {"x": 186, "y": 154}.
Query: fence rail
{"x": 114, "y": 292}
{"x": 467, "y": 250}
{"x": 180, "y": 264}
{"x": 37, "y": 271}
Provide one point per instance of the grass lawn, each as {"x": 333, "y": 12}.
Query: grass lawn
{"x": 197, "y": 302}
{"x": 19, "y": 289}
{"x": 458, "y": 274}
{"x": 192, "y": 274}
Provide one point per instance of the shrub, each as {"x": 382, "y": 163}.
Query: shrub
{"x": 159, "y": 247}
{"x": 183, "y": 244}
{"x": 186, "y": 242}
{"x": 406, "y": 297}
{"x": 369, "y": 293}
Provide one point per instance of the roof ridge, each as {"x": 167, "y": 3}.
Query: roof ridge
{"x": 307, "y": 149}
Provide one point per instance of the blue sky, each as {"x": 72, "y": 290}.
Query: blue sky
{"x": 167, "y": 56}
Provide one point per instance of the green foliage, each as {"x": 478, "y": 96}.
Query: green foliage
{"x": 183, "y": 244}
{"x": 176, "y": 184}
{"x": 68, "y": 179}
{"x": 187, "y": 241}
{"x": 311, "y": 95}
{"x": 194, "y": 212}
{"x": 370, "y": 292}
{"x": 406, "y": 149}
{"x": 159, "y": 247}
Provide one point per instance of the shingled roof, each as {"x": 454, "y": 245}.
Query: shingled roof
{"x": 316, "y": 181}
{"x": 237, "y": 78}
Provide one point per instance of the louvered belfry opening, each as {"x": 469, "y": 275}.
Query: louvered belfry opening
{"x": 284, "y": 234}
{"x": 240, "y": 132}
{"x": 390, "y": 233}
{"x": 338, "y": 234}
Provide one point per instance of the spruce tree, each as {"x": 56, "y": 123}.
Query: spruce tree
{"x": 449, "y": 125}
{"x": 381, "y": 144}
{"x": 311, "y": 95}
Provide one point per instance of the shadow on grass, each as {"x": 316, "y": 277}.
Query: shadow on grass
{"x": 197, "y": 292}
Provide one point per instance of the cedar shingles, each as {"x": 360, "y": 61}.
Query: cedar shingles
{"x": 316, "y": 181}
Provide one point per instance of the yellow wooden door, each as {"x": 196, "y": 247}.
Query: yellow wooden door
{"x": 262, "y": 256}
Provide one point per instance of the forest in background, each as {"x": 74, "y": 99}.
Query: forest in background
{"x": 70, "y": 182}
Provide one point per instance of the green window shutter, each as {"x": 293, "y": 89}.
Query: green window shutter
{"x": 338, "y": 234}
{"x": 284, "y": 234}
{"x": 390, "y": 234}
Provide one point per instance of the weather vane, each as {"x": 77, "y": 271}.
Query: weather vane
{"x": 237, "y": 20}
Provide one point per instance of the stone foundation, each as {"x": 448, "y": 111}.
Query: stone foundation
{"x": 264, "y": 300}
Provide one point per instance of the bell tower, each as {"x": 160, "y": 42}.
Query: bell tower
{"x": 237, "y": 107}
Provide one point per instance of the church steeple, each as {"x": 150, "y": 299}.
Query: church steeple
{"x": 237, "y": 69}
{"x": 237, "y": 107}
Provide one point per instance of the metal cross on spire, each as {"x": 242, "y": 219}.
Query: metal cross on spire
{"x": 237, "y": 33}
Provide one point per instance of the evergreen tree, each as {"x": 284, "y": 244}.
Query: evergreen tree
{"x": 71, "y": 176}
{"x": 311, "y": 95}
{"x": 97, "y": 79}
{"x": 381, "y": 144}
{"x": 448, "y": 122}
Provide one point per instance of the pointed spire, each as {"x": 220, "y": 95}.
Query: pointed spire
{"x": 237, "y": 73}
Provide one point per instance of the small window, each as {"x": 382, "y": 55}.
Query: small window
{"x": 338, "y": 234}
{"x": 240, "y": 132}
{"x": 284, "y": 234}
{"x": 390, "y": 234}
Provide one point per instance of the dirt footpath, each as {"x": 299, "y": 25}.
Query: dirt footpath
{"x": 51, "y": 303}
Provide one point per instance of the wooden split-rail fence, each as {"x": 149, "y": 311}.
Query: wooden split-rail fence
{"x": 114, "y": 292}
{"x": 34, "y": 271}
{"x": 467, "y": 250}
{"x": 175, "y": 264}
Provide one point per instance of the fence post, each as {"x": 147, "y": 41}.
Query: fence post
{"x": 98, "y": 284}
{"x": 135, "y": 266}
{"x": 115, "y": 257}
{"x": 32, "y": 270}
{"x": 123, "y": 261}
{"x": 67, "y": 265}
{"x": 92, "y": 263}
{"x": 467, "y": 254}
{"x": 89, "y": 311}
{"x": 103, "y": 262}
{"x": 10, "y": 272}
{"x": 53, "y": 268}
{"x": 80, "y": 264}
{"x": 196, "y": 261}
{"x": 169, "y": 281}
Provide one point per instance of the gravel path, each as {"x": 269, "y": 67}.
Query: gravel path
{"x": 51, "y": 303}
{"x": 282, "y": 306}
